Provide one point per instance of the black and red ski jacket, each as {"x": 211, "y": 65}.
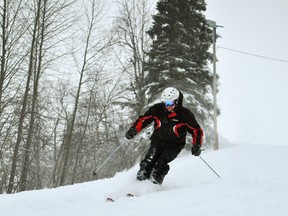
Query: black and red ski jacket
{"x": 170, "y": 128}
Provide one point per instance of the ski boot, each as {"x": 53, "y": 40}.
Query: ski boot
{"x": 142, "y": 175}
{"x": 158, "y": 174}
{"x": 157, "y": 179}
{"x": 144, "y": 171}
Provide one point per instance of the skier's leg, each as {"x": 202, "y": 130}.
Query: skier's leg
{"x": 161, "y": 167}
{"x": 147, "y": 164}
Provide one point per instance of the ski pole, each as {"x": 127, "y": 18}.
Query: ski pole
{"x": 95, "y": 172}
{"x": 209, "y": 166}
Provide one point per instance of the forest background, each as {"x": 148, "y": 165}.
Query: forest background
{"x": 73, "y": 78}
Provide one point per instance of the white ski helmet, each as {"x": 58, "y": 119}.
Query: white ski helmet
{"x": 170, "y": 94}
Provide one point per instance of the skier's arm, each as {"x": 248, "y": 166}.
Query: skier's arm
{"x": 144, "y": 120}
{"x": 197, "y": 134}
{"x": 194, "y": 129}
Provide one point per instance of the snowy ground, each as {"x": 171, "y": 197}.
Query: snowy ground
{"x": 254, "y": 182}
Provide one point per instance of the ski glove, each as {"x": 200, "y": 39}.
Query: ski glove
{"x": 196, "y": 150}
{"x": 131, "y": 133}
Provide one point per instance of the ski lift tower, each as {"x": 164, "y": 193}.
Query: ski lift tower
{"x": 214, "y": 26}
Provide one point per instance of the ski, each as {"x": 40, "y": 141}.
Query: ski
{"x": 110, "y": 199}
{"x": 130, "y": 195}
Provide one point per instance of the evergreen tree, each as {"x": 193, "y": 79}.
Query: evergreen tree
{"x": 179, "y": 56}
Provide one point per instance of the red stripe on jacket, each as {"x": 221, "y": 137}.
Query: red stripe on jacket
{"x": 139, "y": 124}
{"x": 196, "y": 131}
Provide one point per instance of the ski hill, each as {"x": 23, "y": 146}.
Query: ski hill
{"x": 253, "y": 182}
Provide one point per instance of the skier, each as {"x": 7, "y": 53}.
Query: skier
{"x": 172, "y": 121}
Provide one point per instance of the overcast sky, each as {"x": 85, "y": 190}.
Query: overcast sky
{"x": 253, "y": 95}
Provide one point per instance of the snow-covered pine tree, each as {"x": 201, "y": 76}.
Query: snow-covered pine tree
{"x": 179, "y": 56}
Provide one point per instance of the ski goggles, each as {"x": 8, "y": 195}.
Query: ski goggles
{"x": 169, "y": 103}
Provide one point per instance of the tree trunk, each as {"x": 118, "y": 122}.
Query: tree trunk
{"x": 37, "y": 73}
{"x": 24, "y": 105}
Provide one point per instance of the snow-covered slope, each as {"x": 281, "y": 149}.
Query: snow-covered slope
{"x": 254, "y": 182}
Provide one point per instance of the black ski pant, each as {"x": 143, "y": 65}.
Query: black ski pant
{"x": 157, "y": 158}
